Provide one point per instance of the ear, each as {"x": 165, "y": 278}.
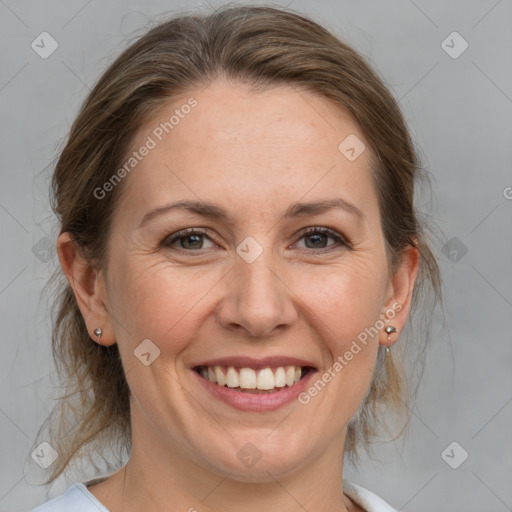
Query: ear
{"x": 399, "y": 295}
{"x": 89, "y": 288}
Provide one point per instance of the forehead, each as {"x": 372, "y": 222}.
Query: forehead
{"x": 225, "y": 142}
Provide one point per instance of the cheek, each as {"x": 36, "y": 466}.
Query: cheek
{"x": 344, "y": 301}
{"x": 155, "y": 300}
{"x": 344, "y": 308}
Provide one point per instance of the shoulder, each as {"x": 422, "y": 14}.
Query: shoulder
{"x": 76, "y": 498}
{"x": 366, "y": 499}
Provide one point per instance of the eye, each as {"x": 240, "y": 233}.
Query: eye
{"x": 317, "y": 237}
{"x": 191, "y": 239}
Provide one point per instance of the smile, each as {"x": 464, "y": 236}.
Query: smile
{"x": 251, "y": 380}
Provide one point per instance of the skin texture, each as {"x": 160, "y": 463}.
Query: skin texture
{"x": 253, "y": 154}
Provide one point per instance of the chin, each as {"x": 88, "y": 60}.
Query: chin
{"x": 248, "y": 463}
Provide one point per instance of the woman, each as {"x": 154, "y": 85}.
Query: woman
{"x": 242, "y": 251}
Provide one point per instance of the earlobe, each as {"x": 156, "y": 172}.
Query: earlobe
{"x": 398, "y": 303}
{"x": 89, "y": 294}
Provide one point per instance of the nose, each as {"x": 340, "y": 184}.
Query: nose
{"x": 257, "y": 300}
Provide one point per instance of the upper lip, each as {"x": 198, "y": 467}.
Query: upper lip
{"x": 250, "y": 362}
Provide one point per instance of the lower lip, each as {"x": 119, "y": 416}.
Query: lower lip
{"x": 256, "y": 401}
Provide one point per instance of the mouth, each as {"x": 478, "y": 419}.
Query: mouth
{"x": 254, "y": 384}
{"x": 250, "y": 380}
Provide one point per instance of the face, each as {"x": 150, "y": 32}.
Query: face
{"x": 259, "y": 282}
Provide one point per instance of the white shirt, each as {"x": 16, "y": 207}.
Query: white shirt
{"x": 78, "y": 499}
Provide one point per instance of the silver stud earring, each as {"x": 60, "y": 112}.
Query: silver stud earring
{"x": 98, "y": 332}
{"x": 390, "y": 329}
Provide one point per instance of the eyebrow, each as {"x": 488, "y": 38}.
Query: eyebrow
{"x": 213, "y": 211}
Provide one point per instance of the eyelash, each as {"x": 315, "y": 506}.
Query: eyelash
{"x": 341, "y": 240}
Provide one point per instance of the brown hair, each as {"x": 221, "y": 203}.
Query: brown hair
{"x": 261, "y": 46}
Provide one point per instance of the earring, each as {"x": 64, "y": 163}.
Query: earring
{"x": 390, "y": 329}
{"x": 98, "y": 332}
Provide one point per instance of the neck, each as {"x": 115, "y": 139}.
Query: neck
{"x": 172, "y": 489}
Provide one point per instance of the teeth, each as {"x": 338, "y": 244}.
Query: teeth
{"x": 219, "y": 374}
{"x": 246, "y": 378}
{"x": 232, "y": 378}
{"x": 280, "y": 378}
{"x": 265, "y": 379}
{"x": 211, "y": 374}
{"x": 290, "y": 375}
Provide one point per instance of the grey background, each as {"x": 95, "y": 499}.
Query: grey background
{"x": 459, "y": 111}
